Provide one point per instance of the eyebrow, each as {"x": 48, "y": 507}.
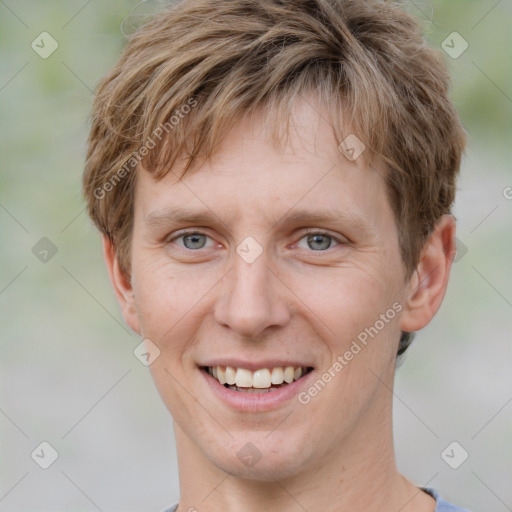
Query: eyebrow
{"x": 181, "y": 215}
{"x": 323, "y": 217}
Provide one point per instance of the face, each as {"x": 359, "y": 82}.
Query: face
{"x": 261, "y": 267}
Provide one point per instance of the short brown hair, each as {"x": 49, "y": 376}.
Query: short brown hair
{"x": 199, "y": 66}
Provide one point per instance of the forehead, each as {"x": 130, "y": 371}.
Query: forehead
{"x": 250, "y": 176}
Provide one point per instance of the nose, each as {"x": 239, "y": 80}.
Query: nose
{"x": 252, "y": 298}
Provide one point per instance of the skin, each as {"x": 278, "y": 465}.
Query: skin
{"x": 301, "y": 299}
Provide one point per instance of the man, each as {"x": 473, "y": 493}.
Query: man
{"x": 273, "y": 180}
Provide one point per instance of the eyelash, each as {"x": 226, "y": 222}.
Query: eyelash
{"x": 311, "y": 231}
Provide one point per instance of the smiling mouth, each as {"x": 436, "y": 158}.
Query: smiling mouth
{"x": 264, "y": 380}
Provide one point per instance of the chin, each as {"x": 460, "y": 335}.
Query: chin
{"x": 256, "y": 457}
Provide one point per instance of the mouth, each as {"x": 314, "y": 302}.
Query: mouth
{"x": 263, "y": 380}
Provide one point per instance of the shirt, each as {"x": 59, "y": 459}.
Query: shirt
{"x": 441, "y": 505}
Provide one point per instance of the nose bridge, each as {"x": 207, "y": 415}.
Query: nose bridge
{"x": 250, "y": 300}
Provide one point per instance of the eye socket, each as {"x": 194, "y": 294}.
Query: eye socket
{"x": 313, "y": 237}
{"x": 195, "y": 239}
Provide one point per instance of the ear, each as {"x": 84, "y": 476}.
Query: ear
{"x": 122, "y": 285}
{"x": 429, "y": 281}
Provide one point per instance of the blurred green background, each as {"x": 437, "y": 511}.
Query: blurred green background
{"x": 68, "y": 372}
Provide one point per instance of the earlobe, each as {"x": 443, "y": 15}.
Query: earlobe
{"x": 121, "y": 284}
{"x": 429, "y": 281}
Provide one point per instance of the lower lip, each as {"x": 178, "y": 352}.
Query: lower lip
{"x": 256, "y": 402}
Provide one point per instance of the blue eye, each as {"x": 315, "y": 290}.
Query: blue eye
{"x": 193, "y": 240}
{"x": 318, "y": 241}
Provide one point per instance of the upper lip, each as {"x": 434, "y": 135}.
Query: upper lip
{"x": 256, "y": 365}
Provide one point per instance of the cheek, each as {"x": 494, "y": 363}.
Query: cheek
{"x": 367, "y": 334}
{"x": 162, "y": 295}
{"x": 346, "y": 312}
{"x": 345, "y": 301}
{"x": 172, "y": 305}
{"x": 357, "y": 317}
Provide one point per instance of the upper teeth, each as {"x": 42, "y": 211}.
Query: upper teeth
{"x": 261, "y": 379}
